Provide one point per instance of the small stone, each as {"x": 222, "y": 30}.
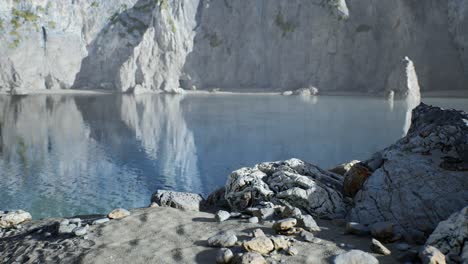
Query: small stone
{"x": 357, "y": 229}
{"x": 355, "y": 257}
{"x": 154, "y": 205}
{"x": 223, "y": 239}
{"x": 224, "y": 256}
{"x": 280, "y": 242}
{"x": 293, "y": 251}
{"x": 308, "y": 223}
{"x": 382, "y": 230}
{"x": 262, "y": 245}
{"x": 80, "y": 231}
{"x": 101, "y": 221}
{"x": 378, "y": 248}
{"x": 431, "y": 255}
{"x": 222, "y": 216}
{"x": 253, "y": 220}
{"x": 285, "y": 224}
{"x": 307, "y": 236}
{"x": 66, "y": 229}
{"x": 76, "y": 221}
{"x": 118, "y": 213}
{"x": 249, "y": 258}
{"x": 258, "y": 233}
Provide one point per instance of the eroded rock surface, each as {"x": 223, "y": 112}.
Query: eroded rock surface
{"x": 294, "y": 182}
{"x": 421, "y": 179}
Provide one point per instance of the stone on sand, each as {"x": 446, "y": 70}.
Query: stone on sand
{"x": 249, "y": 258}
{"x": 285, "y": 224}
{"x": 280, "y": 242}
{"x": 118, "y": 213}
{"x": 224, "y": 256}
{"x": 262, "y": 245}
{"x": 101, "y": 221}
{"x": 253, "y": 220}
{"x": 222, "y": 216}
{"x": 223, "y": 239}
{"x": 307, "y": 236}
{"x": 379, "y": 248}
{"x": 355, "y": 257}
{"x": 308, "y": 223}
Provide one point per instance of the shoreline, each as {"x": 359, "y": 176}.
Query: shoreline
{"x": 462, "y": 94}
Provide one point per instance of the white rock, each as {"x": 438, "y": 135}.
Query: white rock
{"x": 14, "y": 218}
{"x": 355, "y": 257}
{"x": 222, "y": 216}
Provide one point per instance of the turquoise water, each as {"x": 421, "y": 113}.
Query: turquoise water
{"x": 64, "y": 155}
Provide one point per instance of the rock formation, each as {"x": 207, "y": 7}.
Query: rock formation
{"x": 162, "y": 45}
{"x": 420, "y": 180}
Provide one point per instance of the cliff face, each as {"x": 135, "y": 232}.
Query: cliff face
{"x": 231, "y": 44}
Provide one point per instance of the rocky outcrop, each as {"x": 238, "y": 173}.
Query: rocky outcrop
{"x": 420, "y": 180}
{"x": 451, "y": 236}
{"x": 291, "y": 182}
{"x": 147, "y": 45}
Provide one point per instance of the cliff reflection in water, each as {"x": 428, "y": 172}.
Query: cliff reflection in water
{"x": 67, "y": 155}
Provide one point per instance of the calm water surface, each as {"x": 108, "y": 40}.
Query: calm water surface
{"x": 66, "y": 155}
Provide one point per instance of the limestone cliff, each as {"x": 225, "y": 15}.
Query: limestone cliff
{"x": 162, "y": 45}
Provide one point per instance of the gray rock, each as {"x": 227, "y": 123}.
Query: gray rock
{"x": 223, "y": 239}
{"x": 300, "y": 184}
{"x": 307, "y": 236}
{"x": 264, "y": 213}
{"x": 80, "y": 231}
{"x": 308, "y": 223}
{"x": 431, "y": 255}
{"x": 258, "y": 233}
{"x": 222, "y": 216}
{"x": 357, "y": 229}
{"x": 292, "y": 251}
{"x": 379, "y": 248}
{"x": 293, "y": 212}
{"x": 13, "y": 218}
{"x": 450, "y": 236}
{"x": 249, "y": 258}
{"x": 355, "y": 257}
{"x": 382, "y": 230}
{"x": 224, "y": 256}
{"x": 76, "y": 221}
{"x": 418, "y": 190}
{"x": 101, "y": 221}
{"x": 66, "y": 228}
{"x": 179, "y": 200}
{"x": 253, "y": 220}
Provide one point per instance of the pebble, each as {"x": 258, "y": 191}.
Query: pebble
{"x": 80, "y": 231}
{"x": 66, "y": 228}
{"x": 222, "y": 216}
{"x": 258, "y": 233}
{"x": 249, "y": 258}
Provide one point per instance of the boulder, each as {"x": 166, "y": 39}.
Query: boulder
{"x": 14, "y": 218}
{"x": 179, "y": 200}
{"x": 355, "y": 178}
{"x": 355, "y": 257}
{"x": 294, "y": 182}
{"x": 431, "y": 255}
{"x": 118, "y": 213}
{"x": 342, "y": 169}
{"x": 450, "y": 236}
{"x": 422, "y": 177}
{"x": 262, "y": 245}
